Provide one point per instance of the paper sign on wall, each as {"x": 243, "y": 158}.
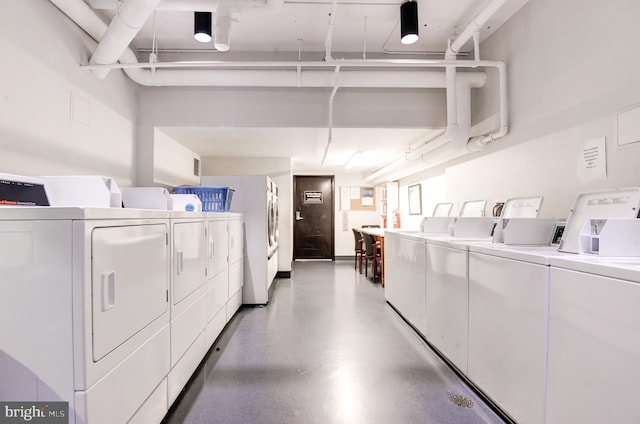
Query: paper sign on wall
{"x": 592, "y": 160}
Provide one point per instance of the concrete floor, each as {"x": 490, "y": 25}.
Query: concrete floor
{"x": 327, "y": 349}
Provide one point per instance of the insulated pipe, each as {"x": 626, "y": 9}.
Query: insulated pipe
{"x": 80, "y": 13}
{"x": 452, "y": 131}
{"x": 222, "y": 28}
{"x": 291, "y": 78}
{"x": 126, "y": 23}
{"x": 478, "y": 143}
{"x": 476, "y": 25}
{"x": 331, "y": 99}
{"x": 329, "y": 39}
{"x": 199, "y": 5}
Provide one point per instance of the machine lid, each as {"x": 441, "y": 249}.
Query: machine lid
{"x": 473, "y": 208}
{"x": 442, "y": 209}
{"x": 522, "y": 207}
{"x": 617, "y": 203}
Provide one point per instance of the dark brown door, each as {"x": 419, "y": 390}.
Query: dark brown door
{"x": 313, "y": 217}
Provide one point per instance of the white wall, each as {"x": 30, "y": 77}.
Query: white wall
{"x": 56, "y": 119}
{"x": 570, "y": 71}
{"x": 279, "y": 170}
{"x": 172, "y": 162}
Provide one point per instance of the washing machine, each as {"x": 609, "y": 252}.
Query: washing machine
{"x": 594, "y": 342}
{"x": 85, "y": 306}
{"x": 509, "y": 289}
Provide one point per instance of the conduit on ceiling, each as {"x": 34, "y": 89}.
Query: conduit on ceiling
{"x": 454, "y": 142}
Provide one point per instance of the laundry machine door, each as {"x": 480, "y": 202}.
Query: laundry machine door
{"x": 129, "y": 282}
{"x": 189, "y": 258}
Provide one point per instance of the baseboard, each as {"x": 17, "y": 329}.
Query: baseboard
{"x": 345, "y": 258}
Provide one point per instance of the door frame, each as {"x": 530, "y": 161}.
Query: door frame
{"x": 333, "y": 213}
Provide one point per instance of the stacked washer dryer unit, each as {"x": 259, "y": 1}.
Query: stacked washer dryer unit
{"x": 256, "y": 197}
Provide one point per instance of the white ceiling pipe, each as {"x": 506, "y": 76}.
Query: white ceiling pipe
{"x": 329, "y": 38}
{"x": 455, "y": 142}
{"x": 125, "y": 25}
{"x": 331, "y": 99}
{"x": 197, "y": 5}
{"x": 342, "y": 63}
{"x": 478, "y": 143}
{"x": 222, "y": 29}
{"x": 80, "y": 13}
{"x": 291, "y": 78}
{"x": 476, "y": 25}
{"x": 452, "y": 131}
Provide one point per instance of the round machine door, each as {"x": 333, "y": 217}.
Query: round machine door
{"x": 276, "y": 222}
{"x": 270, "y": 220}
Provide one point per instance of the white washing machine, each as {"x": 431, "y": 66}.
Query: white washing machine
{"x": 85, "y": 306}
{"x": 254, "y": 198}
{"x": 404, "y": 270}
{"x": 507, "y": 341}
{"x": 594, "y": 342}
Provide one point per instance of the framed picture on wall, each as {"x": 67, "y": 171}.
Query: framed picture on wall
{"x": 415, "y": 199}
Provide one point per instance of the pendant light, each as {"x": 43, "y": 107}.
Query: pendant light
{"x": 202, "y": 26}
{"x": 409, "y": 22}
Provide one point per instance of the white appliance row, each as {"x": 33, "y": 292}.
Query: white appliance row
{"x": 537, "y": 330}
{"x": 551, "y": 337}
{"x": 256, "y": 197}
{"x": 113, "y": 309}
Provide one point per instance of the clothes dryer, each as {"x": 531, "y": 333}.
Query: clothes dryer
{"x": 254, "y": 198}
{"x": 84, "y": 299}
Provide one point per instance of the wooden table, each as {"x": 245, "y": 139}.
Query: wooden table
{"x": 378, "y": 235}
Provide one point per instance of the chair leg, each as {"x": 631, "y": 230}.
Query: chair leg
{"x": 374, "y": 267}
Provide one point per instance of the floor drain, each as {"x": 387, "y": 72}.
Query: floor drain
{"x": 462, "y": 401}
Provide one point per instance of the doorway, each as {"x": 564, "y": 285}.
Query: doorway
{"x": 313, "y": 212}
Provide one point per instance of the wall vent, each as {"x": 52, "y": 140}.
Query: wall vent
{"x": 196, "y": 167}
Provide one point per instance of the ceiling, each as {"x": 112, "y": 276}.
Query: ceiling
{"x": 297, "y": 30}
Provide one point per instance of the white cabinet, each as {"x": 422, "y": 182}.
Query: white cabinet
{"x": 507, "y": 333}
{"x": 593, "y": 348}
{"x": 447, "y": 294}
{"x": 404, "y": 268}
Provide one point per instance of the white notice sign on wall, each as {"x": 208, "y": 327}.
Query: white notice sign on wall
{"x": 592, "y": 160}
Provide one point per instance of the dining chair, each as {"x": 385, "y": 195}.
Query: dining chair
{"x": 359, "y": 249}
{"x": 372, "y": 253}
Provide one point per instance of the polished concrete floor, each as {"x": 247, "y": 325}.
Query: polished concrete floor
{"x": 327, "y": 349}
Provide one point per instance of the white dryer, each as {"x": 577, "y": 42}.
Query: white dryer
{"x": 254, "y": 198}
{"x": 86, "y": 293}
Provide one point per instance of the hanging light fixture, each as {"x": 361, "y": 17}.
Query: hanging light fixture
{"x": 202, "y": 26}
{"x": 409, "y": 22}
